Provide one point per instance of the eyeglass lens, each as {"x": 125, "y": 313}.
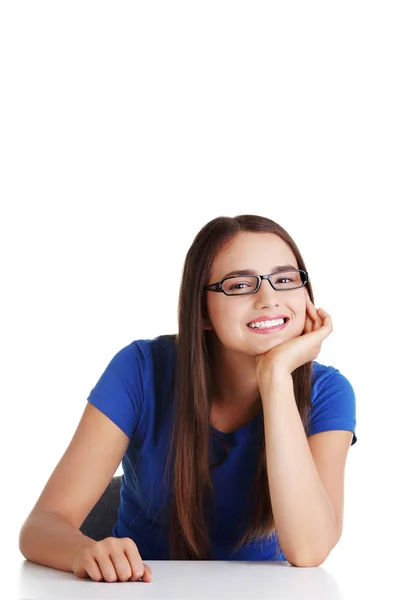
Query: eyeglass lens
{"x": 284, "y": 280}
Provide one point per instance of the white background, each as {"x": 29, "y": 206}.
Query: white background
{"x": 125, "y": 127}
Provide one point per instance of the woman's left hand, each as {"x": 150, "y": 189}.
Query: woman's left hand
{"x": 297, "y": 351}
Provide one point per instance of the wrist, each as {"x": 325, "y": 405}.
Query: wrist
{"x": 273, "y": 376}
{"x": 275, "y": 371}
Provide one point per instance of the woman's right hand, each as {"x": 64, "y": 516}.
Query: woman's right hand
{"x": 111, "y": 559}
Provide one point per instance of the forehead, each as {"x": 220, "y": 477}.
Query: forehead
{"x": 258, "y": 251}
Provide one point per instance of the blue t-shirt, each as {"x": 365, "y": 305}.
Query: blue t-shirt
{"x": 135, "y": 392}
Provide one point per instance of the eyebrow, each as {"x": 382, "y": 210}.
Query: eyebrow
{"x": 253, "y": 272}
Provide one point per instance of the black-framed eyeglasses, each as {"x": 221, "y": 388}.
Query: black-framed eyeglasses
{"x": 240, "y": 285}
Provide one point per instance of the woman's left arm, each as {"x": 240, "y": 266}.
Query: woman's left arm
{"x": 304, "y": 515}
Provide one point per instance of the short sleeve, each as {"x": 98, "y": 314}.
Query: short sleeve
{"x": 119, "y": 391}
{"x": 334, "y": 405}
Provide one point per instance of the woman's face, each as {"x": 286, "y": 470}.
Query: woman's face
{"x": 229, "y": 315}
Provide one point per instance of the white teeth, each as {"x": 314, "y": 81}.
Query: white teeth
{"x": 266, "y": 324}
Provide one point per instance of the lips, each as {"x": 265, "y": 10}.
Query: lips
{"x": 268, "y": 330}
{"x": 269, "y": 318}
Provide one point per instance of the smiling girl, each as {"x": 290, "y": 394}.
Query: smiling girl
{"x": 233, "y": 439}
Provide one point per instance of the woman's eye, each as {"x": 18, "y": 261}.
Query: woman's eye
{"x": 236, "y": 286}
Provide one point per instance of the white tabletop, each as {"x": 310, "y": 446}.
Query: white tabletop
{"x": 335, "y": 579}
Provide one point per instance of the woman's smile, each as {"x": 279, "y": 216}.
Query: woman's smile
{"x": 264, "y": 330}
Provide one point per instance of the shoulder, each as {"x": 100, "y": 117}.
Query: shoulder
{"x": 333, "y": 400}
{"x": 134, "y": 378}
{"x": 146, "y": 351}
{"x": 326, "y": 378}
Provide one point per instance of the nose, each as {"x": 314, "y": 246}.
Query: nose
{"x": 267, "y": 294}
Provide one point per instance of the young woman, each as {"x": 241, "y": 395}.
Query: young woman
{"x": 233, "y": 439}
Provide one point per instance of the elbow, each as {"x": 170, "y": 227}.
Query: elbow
{"x": 313, "y": 558}
{"x": 23, "y": 540}
{"x": 22, "y": 547}
{"x": 307, "y": 560}
{"x": 301, "y": 562}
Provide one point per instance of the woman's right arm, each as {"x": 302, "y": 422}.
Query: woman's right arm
{"x": 50, "y": 539}
{"x": 50, "y": 534}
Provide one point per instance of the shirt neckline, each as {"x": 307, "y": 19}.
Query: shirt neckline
{"x": 239, "y": 434}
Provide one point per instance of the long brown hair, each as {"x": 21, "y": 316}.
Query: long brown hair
{"x": 190, "y": 438}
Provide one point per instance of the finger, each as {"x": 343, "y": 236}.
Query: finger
{"x": 135, "y": 560}
{"x": 107, "y": 567}
{"x": 326, "y": 327}
{"x": 93, "y": 570}
{"x": 312, "y": 311}
{"x": 326, "y": 318}
{"x": 311, "y": 308}
{"x": 148, "y": 574}
{"x": 308, "y": 325}
{"x": 122, "y": 565}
